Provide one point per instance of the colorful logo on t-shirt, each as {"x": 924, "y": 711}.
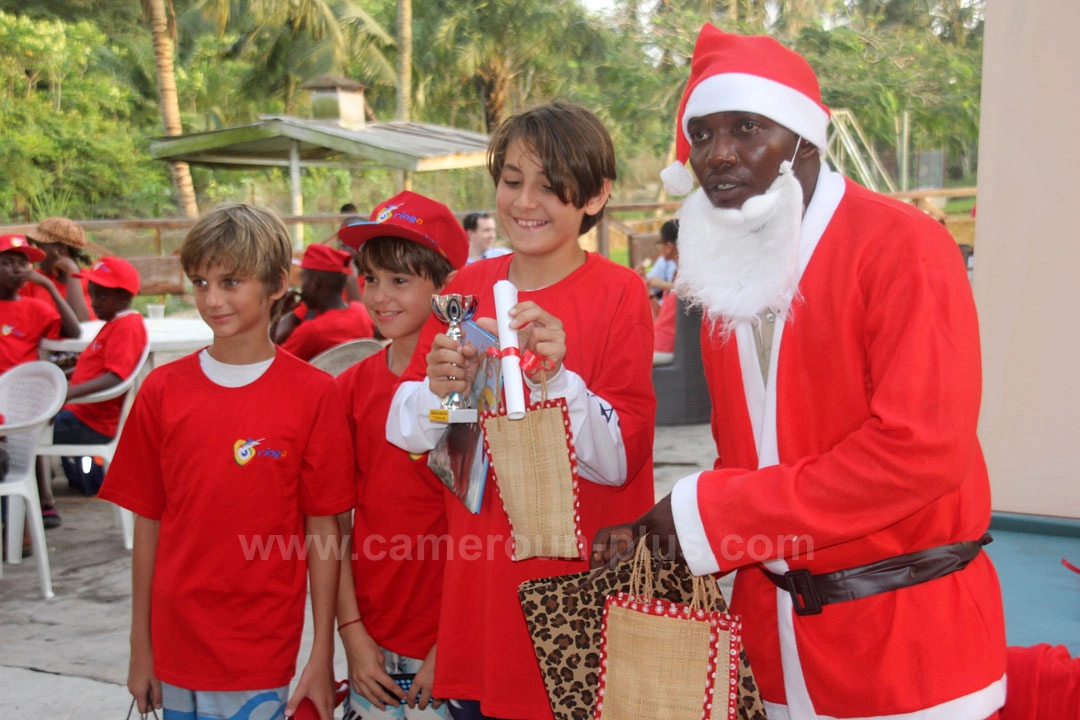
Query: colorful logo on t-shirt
{"x": 244, "y": 451}
{"x": 6, "y": 330}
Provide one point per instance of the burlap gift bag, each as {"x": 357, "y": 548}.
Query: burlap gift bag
{"x": 535, "y": 471}
{"x": 664, "y": 659}
{"x": 565, "y": 619}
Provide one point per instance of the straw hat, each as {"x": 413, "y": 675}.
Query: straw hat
{"x": 59, "y": 230}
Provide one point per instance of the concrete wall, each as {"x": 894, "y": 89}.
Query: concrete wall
{"x": 1028, "y": 255}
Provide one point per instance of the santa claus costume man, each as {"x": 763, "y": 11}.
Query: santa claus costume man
{"x": 841, "y": 348}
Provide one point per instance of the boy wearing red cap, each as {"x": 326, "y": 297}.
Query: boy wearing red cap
{"x": 850, "y": 491}
{"x": 553, "y": 167}
{"x": 110, "y": 358}
{"x": 388, "y": 611}
{"x": 236, "y": 462}
{"x": 330, "y": 320}
{"x": 24, "y": 321}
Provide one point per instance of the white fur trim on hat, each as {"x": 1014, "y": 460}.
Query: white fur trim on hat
{"x": 752, "y": 93}
{"x": 677, "y": 179}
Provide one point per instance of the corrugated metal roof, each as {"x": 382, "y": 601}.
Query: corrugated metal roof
{"x": 413, "y": 146}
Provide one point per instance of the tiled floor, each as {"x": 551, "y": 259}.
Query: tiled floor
{"x": 1042, "y": 596}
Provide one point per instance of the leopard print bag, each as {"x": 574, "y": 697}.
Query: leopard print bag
{"x": 565, "y": 615}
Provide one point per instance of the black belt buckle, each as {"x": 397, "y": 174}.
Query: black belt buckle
{"x": 804, "y": 595}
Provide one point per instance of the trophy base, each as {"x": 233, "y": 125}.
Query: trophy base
{"x": 457, "y": 415}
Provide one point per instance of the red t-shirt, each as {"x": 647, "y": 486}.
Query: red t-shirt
{"x": 23, "y": 322}
{"x": 331, "y": 328}
{"x": 116, "y": 349}
{"x": 485, "y": 651}
{"x": 399, "y": 529}
{"x": 37, "y": 292}
{"x": 231, "y": 473}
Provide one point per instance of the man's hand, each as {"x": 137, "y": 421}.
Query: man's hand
{"x": 615, "y": 544}
{"x": 451, "y": 366}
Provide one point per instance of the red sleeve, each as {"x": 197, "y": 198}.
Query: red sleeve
{"x": 126, "y": 344}
{"x": 135, "y": 480}
{"x": 327, "y": 478}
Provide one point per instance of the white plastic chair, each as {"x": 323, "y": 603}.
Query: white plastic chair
{"x": 105, "y": 451}
{"x": 30, "y": 394}
{"x": 340, "y": 358}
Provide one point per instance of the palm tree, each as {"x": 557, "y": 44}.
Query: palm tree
{"x": 170, "y": 103}
{"x": 293, "y": 41}
{"x": 404, "y": 59}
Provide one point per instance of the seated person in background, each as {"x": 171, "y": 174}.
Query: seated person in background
{"x": 664, "y": 322}
{"x": 109, "y": 360}
{"x": 664, "y": 330}
{"x": 480, "y": 227}
{"x": 25, "y": 321}
{"x": 330, "y": 320}
{"x": 62, "y": 241}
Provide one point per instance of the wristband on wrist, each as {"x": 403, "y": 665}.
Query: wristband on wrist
{"x": 345, "y": 625}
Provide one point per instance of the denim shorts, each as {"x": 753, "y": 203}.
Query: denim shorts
{"x": 70, "y": 430}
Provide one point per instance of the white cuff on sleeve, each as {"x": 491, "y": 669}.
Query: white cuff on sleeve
{"x": 407, "y": 423}
{"x": 691, "y": 531}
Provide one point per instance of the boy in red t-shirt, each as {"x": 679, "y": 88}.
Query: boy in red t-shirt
{"x": 25, "y": 321}
{"x": 110, "y": 358}
{"x": 236, "y": 460}
{"x": 64, "y": 244}
{"x": 388, "y": 607}
{"x": 553, "y": 167}
{"x": 329, "y": 320}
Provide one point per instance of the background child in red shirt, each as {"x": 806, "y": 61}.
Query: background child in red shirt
{"x": 109, "y": 359}
{"x": 234, "y": 459}
{"x": 329, "y": 320}
{"x": 553, "y": 167}
{"x": 388, "y": 611}
{"x": 24, "y": 321}
{"x": 63, "y": 242}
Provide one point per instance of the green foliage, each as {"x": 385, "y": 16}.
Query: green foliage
{"x": 78, "y": 100}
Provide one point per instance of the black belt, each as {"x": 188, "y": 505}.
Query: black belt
{"x": 810, "y": 592}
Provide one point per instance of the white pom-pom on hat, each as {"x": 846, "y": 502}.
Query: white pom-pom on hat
{"x": 677, "y": 179}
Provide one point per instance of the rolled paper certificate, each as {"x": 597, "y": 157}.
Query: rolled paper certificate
{"x": 513, "y": 387}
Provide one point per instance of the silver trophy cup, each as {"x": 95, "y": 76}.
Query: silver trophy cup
{"x": 455, "y": 309}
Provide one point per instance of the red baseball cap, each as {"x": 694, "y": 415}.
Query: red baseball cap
{"x": 19, "y": 244}
{"x": 412, "y": 217}
{"x": 326, "y": 259}
{"x": 113, "y": 272}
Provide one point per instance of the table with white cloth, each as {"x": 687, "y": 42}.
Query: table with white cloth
{"x": 164, "y": 335}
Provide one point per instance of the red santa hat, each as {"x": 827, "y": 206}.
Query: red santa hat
{"x": 749, "y": 73}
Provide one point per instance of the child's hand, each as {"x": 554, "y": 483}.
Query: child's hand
{"x": 420, "y": 692}
{"x": 367, "y": 668}
{"x": 317, "y": 684}
{"x": 451, "y": 367}
{"x": 36, "y": 278}
{"x": 542, "y": 333}
{"x": 143, "y": 686}
{"x": 64, "y": 268}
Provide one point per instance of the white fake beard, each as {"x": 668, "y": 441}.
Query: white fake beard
{"x": 739, "y": 263}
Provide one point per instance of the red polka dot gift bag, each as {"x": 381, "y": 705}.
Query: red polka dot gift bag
{"x": 665, "y": 659}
